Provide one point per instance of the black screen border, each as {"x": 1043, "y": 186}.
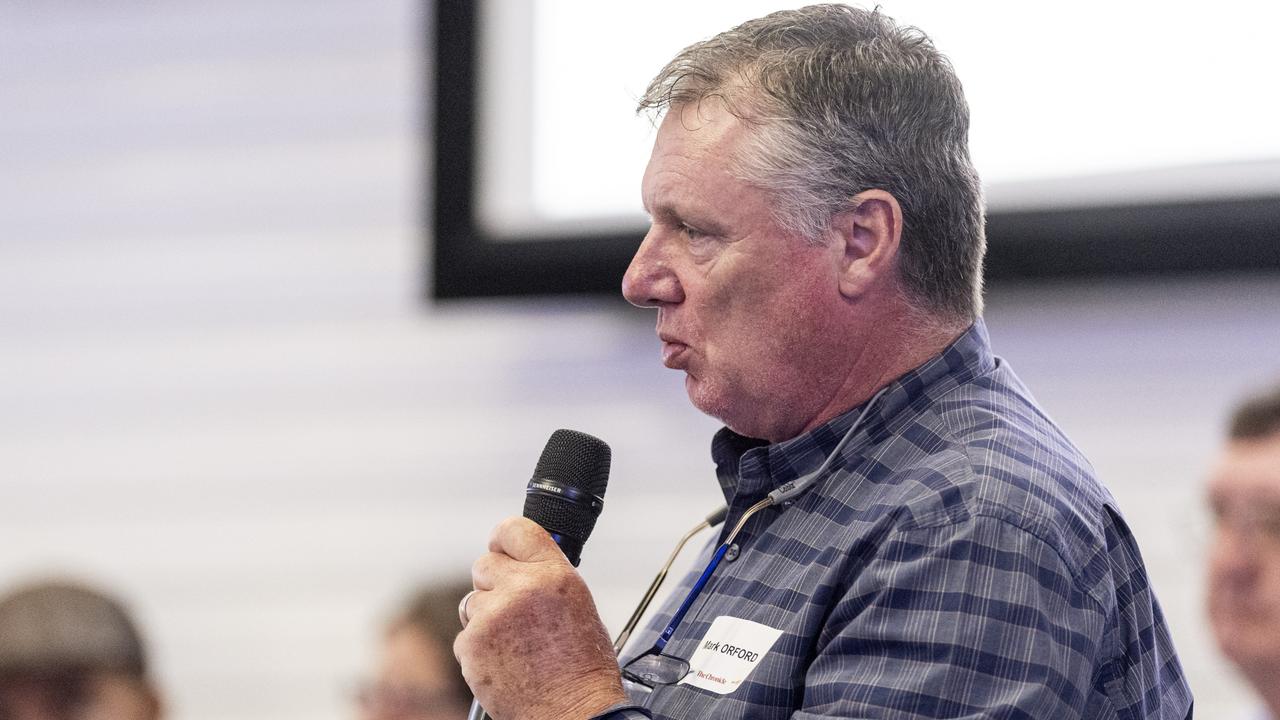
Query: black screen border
{"x": 1228, "y": 235}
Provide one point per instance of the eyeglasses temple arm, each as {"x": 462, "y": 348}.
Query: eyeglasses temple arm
{"x": 711, "y": 521}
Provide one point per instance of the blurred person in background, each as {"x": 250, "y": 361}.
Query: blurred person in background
{"x": 69, "y": 652}
{"x": 418, "y": 677}
{"x": 1244, "y": 562}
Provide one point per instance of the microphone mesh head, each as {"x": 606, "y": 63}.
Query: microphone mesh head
{"x": 566, "y": 493}
{"x": 576, "y": 459}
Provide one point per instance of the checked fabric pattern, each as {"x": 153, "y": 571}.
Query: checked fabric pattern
{"x": 959, "y": 560}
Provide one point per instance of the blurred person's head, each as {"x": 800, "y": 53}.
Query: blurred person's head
{"x": 68, "y": 652}
{"x": 417, "y": 676}
{"x": 1244, "y": 569}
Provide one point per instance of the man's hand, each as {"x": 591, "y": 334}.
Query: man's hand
{"x": 534, "y": 647}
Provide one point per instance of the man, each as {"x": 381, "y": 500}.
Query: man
{"x": 1244, "y": 566}
{"x": 917, "y": 539}
{"x": 68, "y": 652}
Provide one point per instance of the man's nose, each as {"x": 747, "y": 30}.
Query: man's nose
{"x": 651, "y": 279}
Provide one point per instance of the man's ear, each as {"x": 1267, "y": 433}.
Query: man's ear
{"x": 870, "y": 232}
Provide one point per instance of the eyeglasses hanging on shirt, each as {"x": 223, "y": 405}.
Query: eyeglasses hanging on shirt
{"x": 654, "y": 667}
{"x": 712, "y": 520}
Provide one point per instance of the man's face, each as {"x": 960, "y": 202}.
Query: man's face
{"x": 1244, "y": 570}
{"x": 745, "y": 308}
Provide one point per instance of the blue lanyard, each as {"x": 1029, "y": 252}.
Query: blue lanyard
{"x": 696, "y": 590}
{"x": 688, "y": 600}
{"x": 786, "y": 493}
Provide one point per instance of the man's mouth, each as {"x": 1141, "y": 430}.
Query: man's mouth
{"x": 674, "y": 354}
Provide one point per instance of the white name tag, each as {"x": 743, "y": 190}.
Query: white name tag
{"x": 728, "y": 653}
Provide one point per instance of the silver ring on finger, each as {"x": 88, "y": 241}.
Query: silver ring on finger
{"x": 463, "y": 617}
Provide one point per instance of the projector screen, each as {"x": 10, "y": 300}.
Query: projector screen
{"x": 1112, "y": 108}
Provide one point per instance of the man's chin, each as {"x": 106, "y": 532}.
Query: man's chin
{"x": 703, "y": 396}
{"x": 738, "y": 417}
{"x": 699, "y": 397}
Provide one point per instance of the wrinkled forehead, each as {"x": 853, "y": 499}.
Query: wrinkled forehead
{"x": 695, "y": 133}
{"x": 696, "y": 154}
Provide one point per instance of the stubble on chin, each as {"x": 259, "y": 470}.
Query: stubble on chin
{"x": 711, "y": 399}
{"x": 746, "y": 416}
{"x": 702, "y": 396}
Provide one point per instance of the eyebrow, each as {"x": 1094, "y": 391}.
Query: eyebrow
{"x": 666, "y": 211}
{"x": 661, "y": 208}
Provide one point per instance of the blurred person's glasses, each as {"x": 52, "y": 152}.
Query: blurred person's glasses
{"x": 1256, "y": 518}
{"x": 400, "y": 701}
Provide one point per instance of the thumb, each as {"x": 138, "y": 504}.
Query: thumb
{"x": 524, "y": 540}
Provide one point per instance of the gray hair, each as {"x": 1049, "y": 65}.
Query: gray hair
{"x": 843, "y": 100}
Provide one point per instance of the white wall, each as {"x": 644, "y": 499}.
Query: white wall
{"x": 221, "y": 394}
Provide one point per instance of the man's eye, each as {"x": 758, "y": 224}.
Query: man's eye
{"x": 691, "y": 233}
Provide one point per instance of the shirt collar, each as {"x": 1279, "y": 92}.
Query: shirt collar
{"x": 748, "y": 468}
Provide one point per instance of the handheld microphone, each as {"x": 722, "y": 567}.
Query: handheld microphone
{"x": 565, "y": 496}
{"x": 566, "y": 493}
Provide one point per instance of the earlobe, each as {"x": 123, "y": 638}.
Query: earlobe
{"x": 870, "y": 232}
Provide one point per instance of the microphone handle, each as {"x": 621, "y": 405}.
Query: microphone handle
{"x": 477, "y": 712}
{"x": 573, "y": 469}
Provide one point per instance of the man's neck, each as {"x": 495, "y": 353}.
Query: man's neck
{"x": 891, "y": 348}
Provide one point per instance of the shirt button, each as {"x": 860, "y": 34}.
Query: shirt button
{"x": 732, "y": 553}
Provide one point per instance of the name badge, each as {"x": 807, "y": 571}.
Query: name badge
{"x": 728, "y": 653}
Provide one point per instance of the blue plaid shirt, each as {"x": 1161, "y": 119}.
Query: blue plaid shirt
{"x": 959, "y": 559}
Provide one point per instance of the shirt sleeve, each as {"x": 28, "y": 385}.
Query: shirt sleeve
{"x": 623, "y": 712}
{"x": 978, "y": 618}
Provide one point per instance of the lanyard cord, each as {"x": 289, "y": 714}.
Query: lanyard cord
{"x": 711, "y": 521}
{"x": 706, "y": 574}
{"x": 785, "y": 493}
{"x": 789, "y": 491}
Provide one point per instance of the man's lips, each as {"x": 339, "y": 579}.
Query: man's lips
{"x": 674, "y": 352}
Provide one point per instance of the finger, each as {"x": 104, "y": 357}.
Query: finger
{"x": 464, "y": 608}
{"x": 524, "y": 540}
{"x": 488, "y": 571}
{"x": 476, "y": 603}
